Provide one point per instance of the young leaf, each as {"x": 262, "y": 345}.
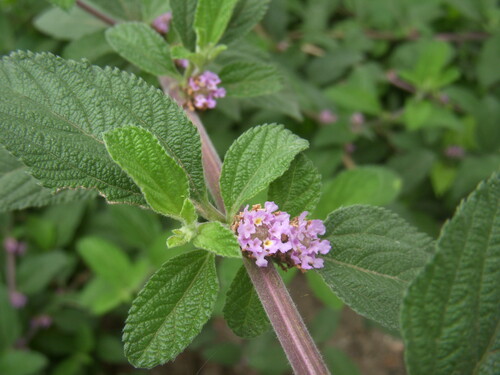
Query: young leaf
{"x": 171, "y": 309}
{"x": 142, "y": 46}
{"x": 19, "y": 190}
{"x": 375, "y": 255}
{"x": 54, "y": 114}
{"x": 254, "y": 160}
{"x": 183, "y": 12}
{"x": 298, "y": 189}
{"x": 246, "y": 14}
{"x": 217, "y": 238}
{"x": 363, "y": 185}
{"x": 450, "y": 317}
{"x": 163, "y": 183}
{"x": 246, "y": 79}
{"x": 211, "y": 19}
{"x": 243, "y": 310}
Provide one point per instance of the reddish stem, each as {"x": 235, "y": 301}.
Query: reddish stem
{"x": 96, "y": 13}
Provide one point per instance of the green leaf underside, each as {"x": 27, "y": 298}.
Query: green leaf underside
{"x": 183, "y": 12}
{"x": 142, "y": 46}
{"x": 374, "y": 256}
{"x": 54, "y": 112}
{"x": 211, "y": 19}
{"x": 298, "y": 189}
{"x": 217, "y": 238}
{"x": 254, "y": 160}
{"x": 450, "y": 316}
{"x": 19, "y": 190}
{"x": 171, "y": 309}
{"x": 247, "y": 79}
{"x": 246, "y": 14}
{"x": 243, "y": 310}
{"x": 163, "y": 183}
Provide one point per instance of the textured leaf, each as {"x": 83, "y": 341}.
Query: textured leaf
{"x": 217, "y": 238}
{"x": 65, "y": 4}
{"x": 363, "y": 185}
{"x": 243, "y": 310}
{"x": 171, "y": 309}
{"x": 163, "y": 183}
{"x": 298, "y": 189}
{"x": 142, "y": 46}
{"x": 211, "y": 19}
{"x": 19, "y": 190}
{"x": 375, "y": 255}
{"x": 151, "y": 9}
{"x": 183, "y": 12}
{"x": 450, "y": 316}
{"x": 54, "y": 112}
{"x": 246, "y": 79}
{"x": 91, "y": 47}
{"x": 254, "y": 160}
{"x": 246, "y": 14}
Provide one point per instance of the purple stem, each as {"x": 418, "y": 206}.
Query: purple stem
{"x": 96, "y": 13}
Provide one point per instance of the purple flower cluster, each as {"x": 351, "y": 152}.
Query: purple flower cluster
{"x": 203, "y": 90}
{"x": 265, "y": 233}
{"x": 162, "y": 23}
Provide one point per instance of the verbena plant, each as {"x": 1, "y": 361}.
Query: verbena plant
{"x": 78, "y": 126}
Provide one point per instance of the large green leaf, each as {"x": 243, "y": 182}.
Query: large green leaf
{"x": 243, "y": 310}
{"x": 171, "y": 309}
{"x": 375, "y": 255}
{"x": 298, "y": 189}
{"x": 211, "y": 19}
{"x": 54, "y": 112}
{"x": 254, "y": 160}
{"x": 246, "y": 14}
{"x": 19, "y": 190}
{"x": 450, "y": 316}
{"x": 217, "y": 238}
{"x": 142, "y": 46}
{"x": 363, "y": 185}
{"x": 246, "y": 79}
{"x": 163, "y": 183}
{"x": 183, "y": 12}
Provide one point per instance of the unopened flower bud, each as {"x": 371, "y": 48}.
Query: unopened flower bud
{"x": 162, "y": 23}
{"x": 41, "y": 321}
{"x": 17, "y": 299}
{"x": 203, "y": 90}
{"x": 454, "y": 152}
{"x": 13, "y": 246}
{"x": 327, "y": 117}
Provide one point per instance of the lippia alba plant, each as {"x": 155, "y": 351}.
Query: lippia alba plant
{"x": 68, "y": 125}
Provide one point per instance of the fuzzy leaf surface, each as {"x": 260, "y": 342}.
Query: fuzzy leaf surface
{"x": 53, "y": 114}
{"x": 211, "y": 19}
{"x": 217, "y": 238}
{"x": 171, "y": 309}
{"x": 183, "y": 12}
{"x": 246, "y": 14}
{"x": 450, "y": 316}
{"x": 375, "y": 255}
{"x": 254, "y": 160}
{"x": 247, "y": 79}
{"x": 298, "y": 189}
{"x": 163, "y": 183}
{"x": 243, "y": 310}
{"x": 142, "y": 46}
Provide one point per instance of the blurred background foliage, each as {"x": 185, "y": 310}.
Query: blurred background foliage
{"x": 398, "y": 98}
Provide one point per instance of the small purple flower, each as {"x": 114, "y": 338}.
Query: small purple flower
{"x": 266, "y": 233}
{"x": 326, "y": 117}
{"x": 12, "y": 246}
{"x": 17, "y": 299}
{"x": 203, "y": 90}
{"x": 183, "y": 63}
{"x": 162, "y": 23}
{"x": 454, "y": 152}
{"x": 41, "y": 321}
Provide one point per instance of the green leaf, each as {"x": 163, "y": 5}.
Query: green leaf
{"x": 91, "y": 47}
{"x": 163, "y": 183}
{"x": 243, "y": 310}
{"x": 171, "y": 309}
{"x": 10, "y": 326}
{"x": 377, "y": 186}
{"x": 54, "y": 112}
{"x": 19, "y": 190}
{"x": 64, "y": 4}
{"x": 183, "y": 12}
{"x": 124, "y": 10}
{"x": 254, "y": 160}
{"x": 22, "y": 362}
{"x": 217, "y": 238}
{"x": 143, "y": 47}
{"x": 151, "y": 9}
{"x": 101, "y": 296}
{"x": 354, "y": 98}
{"x": 322, "y": 291}
{"x": 69, "y": 25}
{"x": 339, "y": 363}
{"x": 246, "y": 14}
{"x": 246, "y": 79}
{"x": 450, "y": 314}
{"x": 487, "y": 66}
{"x": 442, "y": 177}
{"x": 375, "y": 255}
{"x": 424, "y": 114}
{"x": 211, "y": 19}
{"x": 298, "y": 189}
